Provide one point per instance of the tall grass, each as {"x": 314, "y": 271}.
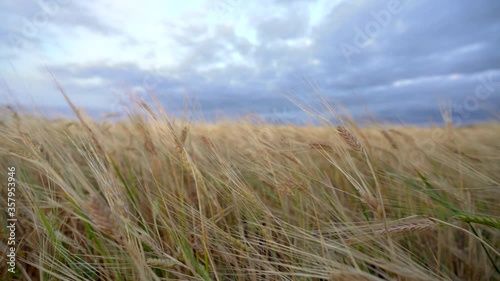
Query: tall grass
{"x": 156, "y": 198}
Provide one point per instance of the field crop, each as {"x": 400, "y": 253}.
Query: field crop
{"x": 151, "y": 197}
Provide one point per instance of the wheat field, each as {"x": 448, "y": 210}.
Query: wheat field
{"x": 151, "y": 197}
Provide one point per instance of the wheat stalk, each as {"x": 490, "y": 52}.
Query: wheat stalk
{"x": 78, "y": 114}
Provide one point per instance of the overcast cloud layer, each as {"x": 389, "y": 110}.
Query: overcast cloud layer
{"x": 398, "y": 60}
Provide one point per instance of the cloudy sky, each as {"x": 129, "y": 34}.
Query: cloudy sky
{"x": 398, "y": 60}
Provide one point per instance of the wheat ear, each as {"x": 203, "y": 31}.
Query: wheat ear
{"x": 161, "y": 262}
{"x": 207, "y": 142}
{"x": 103, "y": 218}
{"x": 406, "y": 136}
{"x": 389, "y": 139}
{"x": 349, "y": 138}
{"x": 415, "y": 226}
{"x": 320, "y": 146}
{"x": 480, "y": 219}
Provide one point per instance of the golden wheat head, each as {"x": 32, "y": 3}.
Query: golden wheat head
{"x": 349, "y": 138}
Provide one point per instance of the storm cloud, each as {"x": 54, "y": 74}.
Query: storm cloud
{"x": 398, "y": 59}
